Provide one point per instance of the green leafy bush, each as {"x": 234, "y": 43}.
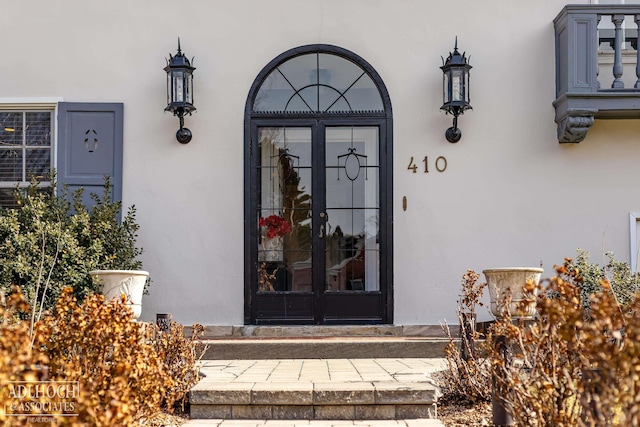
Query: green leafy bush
{"x": 623, "y": 284}
{"x": 50, "y": 243}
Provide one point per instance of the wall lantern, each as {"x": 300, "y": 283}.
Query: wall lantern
{"x": 180, "y": 91}
{"x": 455, "y": 85}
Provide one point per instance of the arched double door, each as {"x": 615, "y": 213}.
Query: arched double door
{"x": 318, "y": 191}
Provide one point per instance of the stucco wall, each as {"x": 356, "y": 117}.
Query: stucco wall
{"x": 510, "y": 196}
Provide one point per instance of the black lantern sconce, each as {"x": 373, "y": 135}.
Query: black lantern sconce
{"x": 455, "y": 85}
{"x": 180, "y": 91}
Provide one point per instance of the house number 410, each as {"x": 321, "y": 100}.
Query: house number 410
{"x": 440, "y": 164}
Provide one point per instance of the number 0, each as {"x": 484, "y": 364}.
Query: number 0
{"x": 441, "y": 164}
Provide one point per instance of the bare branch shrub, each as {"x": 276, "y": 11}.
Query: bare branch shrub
{"x": 180, "y": 356}
{"x": 467, "y": 376}
{"x": 571, "y": 365}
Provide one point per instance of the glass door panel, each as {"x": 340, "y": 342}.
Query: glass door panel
{"x": 284, "y": 210}
{"x": 352, "y": 249}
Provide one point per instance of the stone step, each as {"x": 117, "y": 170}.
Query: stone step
{"x": 384, "y": 401}
{"x": 297, "y": 331}
{"x": 419, "y": 422}
{"x": 347, "y": 347}
{"x": 319, "y": 341}
{"x": 314, "y": 389}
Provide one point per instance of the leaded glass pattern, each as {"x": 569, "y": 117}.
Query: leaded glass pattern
{"x": 318, "y": 83}
{"x": 284, "y": 253}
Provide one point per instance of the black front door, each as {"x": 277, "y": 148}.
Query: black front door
{"x": 318, "y": 223}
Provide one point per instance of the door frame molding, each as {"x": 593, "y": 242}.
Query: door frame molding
{"x": 251, "y": 119}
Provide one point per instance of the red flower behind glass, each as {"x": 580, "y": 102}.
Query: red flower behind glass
{"x": 276, "y": 225}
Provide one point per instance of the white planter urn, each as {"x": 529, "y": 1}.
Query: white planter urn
{"x": 114, "y": 283}
{"x": 504, "y": 282}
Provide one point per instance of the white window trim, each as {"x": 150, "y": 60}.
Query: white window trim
{"x": 634, "y": 218}
{"x": 33, "y": 104}
{"x": 29, "y": 103}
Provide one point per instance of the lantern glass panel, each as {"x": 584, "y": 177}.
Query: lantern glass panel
{"x": 445, "y": 88}
{"x": 457, "y": 85}
{"x": 466, "y": 87}
{"x": 169, "y": 91}
{"x": 178, "y": 86}
{"x": 189, "y": 97}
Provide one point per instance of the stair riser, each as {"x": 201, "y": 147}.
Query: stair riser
{"x": 382, "y": 394}
{"x": 314, "y": 412}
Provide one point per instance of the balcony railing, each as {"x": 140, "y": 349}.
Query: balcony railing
{"x": 597, "y": 67}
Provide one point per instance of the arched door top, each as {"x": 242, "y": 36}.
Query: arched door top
{"x": 318, "y": 79}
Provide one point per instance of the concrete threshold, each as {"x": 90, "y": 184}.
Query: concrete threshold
{"x": 253, "y": 331}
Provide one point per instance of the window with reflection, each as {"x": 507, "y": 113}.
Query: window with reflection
{"x": 352, "y": 208}
{"x": 284, "y": 211}
{"x": 25, "y": 151}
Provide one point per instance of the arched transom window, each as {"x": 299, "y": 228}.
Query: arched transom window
{"x": 318, "y": 83}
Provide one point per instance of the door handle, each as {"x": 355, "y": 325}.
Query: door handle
{"x": 321, "y": 233}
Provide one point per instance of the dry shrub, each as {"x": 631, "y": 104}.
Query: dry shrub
{"x": 121, "y": 377}
{"x": 125, "y": 377}
{"x": 17, "y": 360}
{"x": 570, "y": 366}
{"x": 180, "y": 356}
{"x": 467, "y": 376}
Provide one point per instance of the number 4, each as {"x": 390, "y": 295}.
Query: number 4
{"x": 412, "y": 166}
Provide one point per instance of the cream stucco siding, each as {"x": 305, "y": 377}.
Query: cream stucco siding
{"x": 510, "y": 195}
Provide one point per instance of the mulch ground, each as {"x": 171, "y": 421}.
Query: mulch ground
{"x": 454, "y": 413}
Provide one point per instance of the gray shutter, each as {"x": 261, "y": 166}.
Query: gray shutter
{"x": 90, "y": 147}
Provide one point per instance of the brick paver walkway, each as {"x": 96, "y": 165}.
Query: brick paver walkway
{"x": 297, "y": 374}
